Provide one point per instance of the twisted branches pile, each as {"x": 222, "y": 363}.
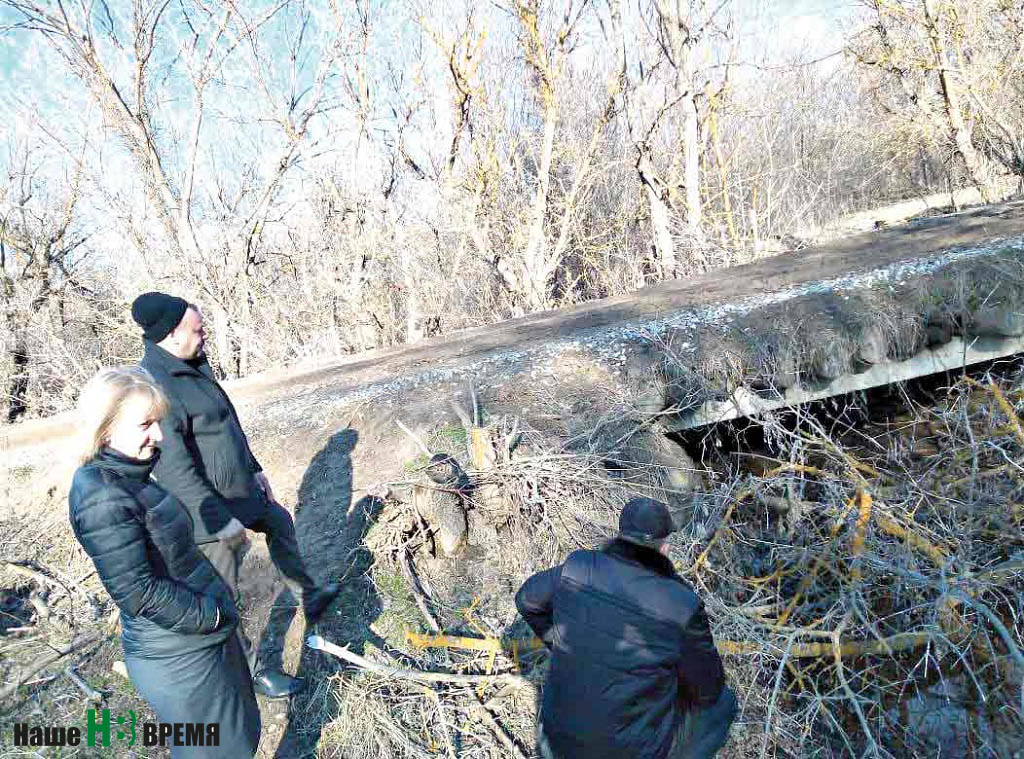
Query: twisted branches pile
{"x": 861, "y": 592}
{"x": 865, "y": 584}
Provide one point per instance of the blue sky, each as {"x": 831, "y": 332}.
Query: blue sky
{"x": 808, "y": 27}
{"x": 32, "y": 80}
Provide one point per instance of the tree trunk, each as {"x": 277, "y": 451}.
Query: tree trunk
{"x": 354, "y": 293}
{"x": 227, "y": 359}
{"x": 953, "y": 101}
{"x": 691, "y": 158}
{"x": 683, "y": 44}
{"x": 17, "y": 390}
{"x": 614, "y": 87}
{"x": 656, "y": 197}
{"x": 415, "y": 321}
{"x": 535, "y": 272}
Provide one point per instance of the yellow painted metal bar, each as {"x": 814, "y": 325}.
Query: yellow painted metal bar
{"x": 884, "y": 646}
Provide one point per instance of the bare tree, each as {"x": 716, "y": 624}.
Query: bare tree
{"x": 959, "y": 64}
{"x": 689, "y": 40}
{"x": 41, "y": 249}
{"x": 546, "y": 55}
{"x": 94, "y": 41}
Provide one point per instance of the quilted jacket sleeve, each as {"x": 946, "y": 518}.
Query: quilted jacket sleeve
{"x": 104, "y": 522}
{"x": 535, "y": 601}
{"x": 701, "y": 675}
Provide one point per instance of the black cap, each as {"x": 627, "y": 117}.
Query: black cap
{"x": 645, "y": 522}
{"x": 158, "y": 314}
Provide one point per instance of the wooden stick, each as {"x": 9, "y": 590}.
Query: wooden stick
{"x": 43, "y": 579}
{"x": 77, "y": 644}
{"x": 496, "y": 728}
{"x": 884, "y": 646}
{"x": 91, "y": 695}
{"x": 418, "y": 595}
{"x": 318, "y": 643}
{"x": 1004, "y": 404}
{"x": 415, "y": 438}
{"x": 799, "y": 468}
{"x": 487, "y": 645}
{"x": 34, "y": 574}
{"x": 911, "y": 537}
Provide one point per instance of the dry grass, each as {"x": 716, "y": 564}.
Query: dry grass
{"x": 51, "y": 595}
{"x": 864, "y": 581}
{"x": 863, "y": 586}
{"x": 818, "y": 337}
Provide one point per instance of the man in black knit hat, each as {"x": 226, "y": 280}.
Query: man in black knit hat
{"x": 634, "y": 670}
{"x": 206, "y": 462}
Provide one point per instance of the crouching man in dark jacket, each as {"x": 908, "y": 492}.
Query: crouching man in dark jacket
{"x": 207, "y": 464}
{"x": 634, "y": 670}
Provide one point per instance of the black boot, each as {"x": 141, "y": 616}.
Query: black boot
{"x": 316, "y": 602}
{"x": 274, "y": 684}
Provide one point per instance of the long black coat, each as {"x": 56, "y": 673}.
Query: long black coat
{"x": 206, "y": 461}
{"x": 178, "y": 617}
{"x": 631, "y": 652}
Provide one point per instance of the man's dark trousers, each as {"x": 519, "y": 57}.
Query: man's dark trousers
{"x": 279, "y": 529}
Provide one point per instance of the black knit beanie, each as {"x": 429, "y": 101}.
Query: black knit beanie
{"x": 158, "y": 314}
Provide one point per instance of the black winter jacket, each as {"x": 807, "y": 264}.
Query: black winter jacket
{"x": 631, "y": 652}
{"x": 140, "y": 538}
{"x": 205, "y": 457}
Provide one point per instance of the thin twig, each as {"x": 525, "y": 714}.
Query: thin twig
{"x": 837, "y": 656}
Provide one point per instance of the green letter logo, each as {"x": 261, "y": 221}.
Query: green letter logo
{"x": 103, "y": 728}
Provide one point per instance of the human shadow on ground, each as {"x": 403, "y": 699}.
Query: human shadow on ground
{"x": 330, "y": 529}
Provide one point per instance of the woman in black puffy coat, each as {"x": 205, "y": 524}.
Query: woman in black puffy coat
{"x": 178, "y": 618}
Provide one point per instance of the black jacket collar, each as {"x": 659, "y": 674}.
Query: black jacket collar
{"x": 156, "y": 356}
{"x": 645, "y": 557}
{"x": 125, "y": 466}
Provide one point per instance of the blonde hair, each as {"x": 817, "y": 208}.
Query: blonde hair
{"x": 103, "y": 397}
